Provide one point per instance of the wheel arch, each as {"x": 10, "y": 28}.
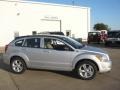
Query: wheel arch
{"x": 16, "y": 56}
{"x": 82, "y": 60}
{"x": 20, "y": 55}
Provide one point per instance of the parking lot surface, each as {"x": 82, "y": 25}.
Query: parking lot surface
{"x": 60, "y": 80}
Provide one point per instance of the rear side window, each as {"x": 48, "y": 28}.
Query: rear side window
{"x": 32, "y": 43}
{"x": 19, "y": 43}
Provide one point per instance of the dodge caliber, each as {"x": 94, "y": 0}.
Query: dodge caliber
{"x": 55, "y": 52}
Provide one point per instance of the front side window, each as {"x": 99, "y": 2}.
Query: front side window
{"x": 73, "y": 42}
{"x": 19, "y": 43}
{"x": 56, "y": 45}
{"x": 32, "y": 43}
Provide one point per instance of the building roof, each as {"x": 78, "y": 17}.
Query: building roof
{"x": 44, "y": 3}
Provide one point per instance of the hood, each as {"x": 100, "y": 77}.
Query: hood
{"x": 93, "y": 49}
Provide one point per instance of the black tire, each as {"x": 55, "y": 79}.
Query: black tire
{"x": 107, "y": 44}
{"x": 88, "y": 42}
{"x": 18, "y": 63}
{"x": 92, "y": 67}
{"x": 98, "y": 42}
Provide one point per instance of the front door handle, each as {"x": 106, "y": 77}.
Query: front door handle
{"x": 46, "y": 51}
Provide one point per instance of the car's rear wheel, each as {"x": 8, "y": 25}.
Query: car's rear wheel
{"x": 107, "y": 44}
{"x": 88, "y": 42}
{"x": 17, "y": 65}
{"x": 86, "y": 70}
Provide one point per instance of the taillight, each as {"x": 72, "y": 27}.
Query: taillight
{"x": 6, "y": 47}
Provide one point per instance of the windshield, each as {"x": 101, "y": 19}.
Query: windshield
{"x": 93, "y": 33}
{"x": 73, "y": 42}
{"x": 113, "y": 34}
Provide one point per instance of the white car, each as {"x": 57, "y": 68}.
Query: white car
{"x": 55, "y": 52}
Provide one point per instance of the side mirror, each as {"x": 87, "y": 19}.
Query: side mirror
{"x": 118, "y": 38}
{"x": 66, "y": 48}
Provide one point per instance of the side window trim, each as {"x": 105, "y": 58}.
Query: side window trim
{"x": 41, "y": 42}
{"x": 23, "y": 42}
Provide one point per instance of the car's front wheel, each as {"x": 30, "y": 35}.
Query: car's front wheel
{"x": 17, "y": 65}
{"x": 86, "y": 70}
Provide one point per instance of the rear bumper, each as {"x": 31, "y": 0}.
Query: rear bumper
{"x": 6, "y": 59}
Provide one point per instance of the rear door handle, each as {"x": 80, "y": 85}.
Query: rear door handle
{"x": 24, "y": 49}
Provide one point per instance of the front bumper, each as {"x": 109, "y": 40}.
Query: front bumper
{"x": 105, "y": 66}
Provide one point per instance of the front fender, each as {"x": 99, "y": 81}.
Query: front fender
{"x": 85, "y": 56}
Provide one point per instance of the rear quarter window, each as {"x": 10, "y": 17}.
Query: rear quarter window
{"x": 19, "y": 43}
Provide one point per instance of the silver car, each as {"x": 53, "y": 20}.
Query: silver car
{"x": 55, "y": 52}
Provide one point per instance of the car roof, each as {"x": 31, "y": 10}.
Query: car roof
{"x": 41, "y": 35}
{"x": 53, "y": 33}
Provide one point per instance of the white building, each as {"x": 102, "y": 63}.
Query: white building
{"x": 23, "y": 17}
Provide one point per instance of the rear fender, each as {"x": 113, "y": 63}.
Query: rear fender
{"x": 21, "y": 55}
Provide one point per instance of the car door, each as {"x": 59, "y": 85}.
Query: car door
{"x": 58, "y": 55}
{"x": 32, "y": 50}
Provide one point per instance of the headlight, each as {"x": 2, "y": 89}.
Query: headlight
{"x": 103, "y": 58}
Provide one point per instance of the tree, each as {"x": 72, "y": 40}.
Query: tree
{"x": 101, "y": 26}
